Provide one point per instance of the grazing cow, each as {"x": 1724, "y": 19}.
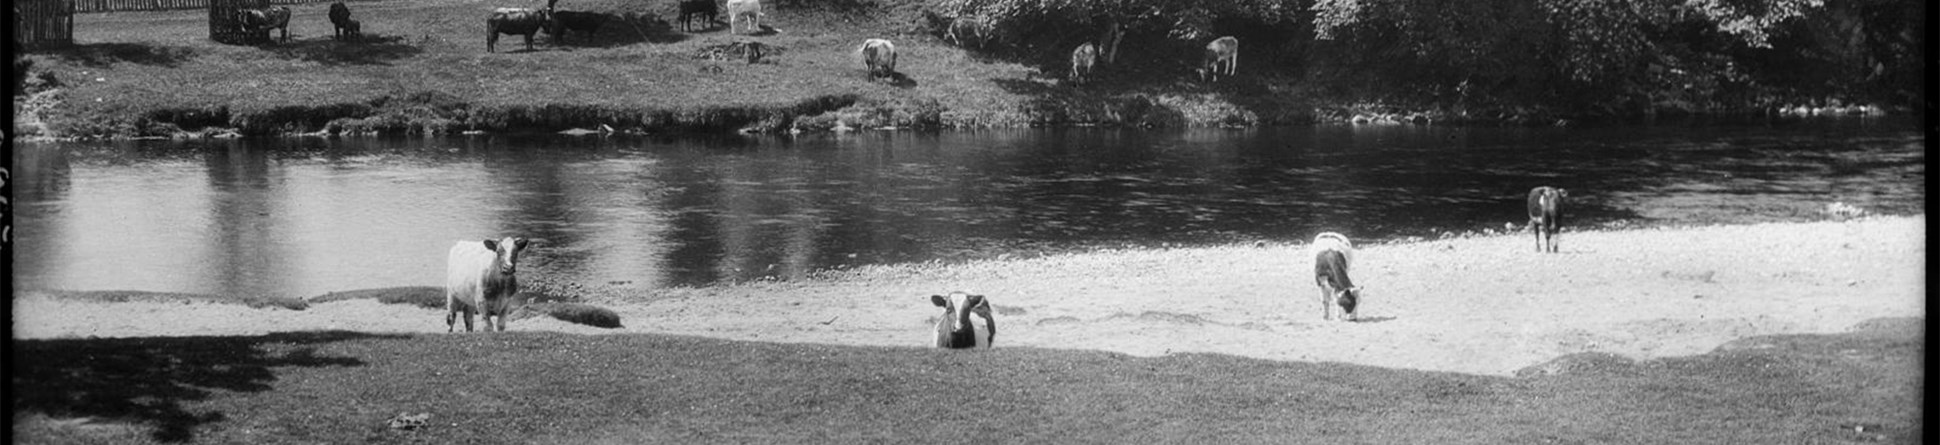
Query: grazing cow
{"x": 573, "y": 21}
{"x": 340, "y": 21}
{"x": 263, "y": 20}
{"x": 880, "y": 57}
{"x": 744, "y": 8}
{"x": 479, "y": 280}
{"x": 691, "y": 9}
{"x": 956, "y": 330}
{"x": 1083, "y": 60}
{"x": 972, "y": 28}
{"x": 1222, "y": 57}
{"x": 1333, "y": 254}
{"x": 515, "y": 21}
{"x": 1545, "y": 215}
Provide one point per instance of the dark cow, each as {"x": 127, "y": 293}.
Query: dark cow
{"x": 691, "y": 9}
{"x": 263, "y": 20}
{"x": 1222, "y": 57}
{"x": 515, "y": 21}
{"x": 880, "y": 57}
{"x": 1333, "y": 254}
{"x": 573, "y": 21}
{"x": 340, "y": 21}
{"x": 956, "y": 330}
{"x": 1545, "y": 215}
{"x": 1083, "y": 61}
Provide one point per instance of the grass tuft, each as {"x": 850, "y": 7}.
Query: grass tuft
{"x": 129, "y": 296}
{"x": 420, "y": 296}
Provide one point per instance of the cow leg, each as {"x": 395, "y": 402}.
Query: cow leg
{"x": 468, "y": 319}
{"x": 451, "y": 321}
{"x": 491, "y": 38}
{"x": 528, "y": 41}
{"x": 1326, "y": 302}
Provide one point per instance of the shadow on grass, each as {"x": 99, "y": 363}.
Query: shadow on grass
{"x": 104, "y": 54}
{"x": 617, "y": 30}
{"x": 150, "y": 380}
{"x": 370, "y": 49}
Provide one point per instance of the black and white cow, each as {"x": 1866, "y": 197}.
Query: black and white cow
{"x": 957, "y": 329}
{"x": 515, "y": 21}
{"x": 263, "y": 20}
{"x": 1545, "y": 215}
{"x": 1333, "y": 254}
{"x": 1083, "y": 61}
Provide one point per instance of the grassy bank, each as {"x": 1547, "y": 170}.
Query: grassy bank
{"x": 423, "y": 67}
{"x": 341, "y": 387}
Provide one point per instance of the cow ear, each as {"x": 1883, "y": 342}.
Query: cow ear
{"x": 491, "y": 245}
{"x": 520, "y": 243}
{"x": 939, "y": 300}
{"x": 1562, "y": 192}
{"x": 977, "y": 301}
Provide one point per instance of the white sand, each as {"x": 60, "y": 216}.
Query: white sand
{"x": 1487, "y": 305}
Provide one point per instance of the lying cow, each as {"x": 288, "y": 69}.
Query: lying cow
{"x": 341, "y": 23}
{"x": 956, "y": 330}
{"x": 1222, "y": 57}
{"x": 879, "y": 56}
{"x": 515, "y": 21}
{"x": 1545, "y": 215}
{"x": 744, "y": 8}
{"x": 480, "y": 280}
{"x": 263, "y": 20}
{"x": 573, "y": 21}
{"x": 692, "y": 9}
{"x": 1333, "y": 254}
{"x": 1083, "y": 61}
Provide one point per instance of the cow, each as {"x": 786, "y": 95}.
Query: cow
{"x": 744, "y": 8}
{"x": 975, "y": 30}
{"x": 956, "y": 329}
{"x": 1083, "y": 61}
{"x": 1333, "y": 254}
{"x": 879, "y": 56}
{"x": 263, "y": 20}
{"x": 1545, "y": 215}
{"x": 515, "y": 21}
{"x": 691, "y": 9}
{"x": 480, "y": 280}
{"x": 573, "y": 21}
{"x": 340, "y": 21}
{"x": 1221, "y": 55}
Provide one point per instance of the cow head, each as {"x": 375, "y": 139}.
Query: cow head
{"x": 507, "y": 251}
{"x": 1349, "y": 298}
{"x": 957, "y": 308}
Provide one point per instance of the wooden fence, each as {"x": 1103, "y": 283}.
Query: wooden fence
{"x": 43, "y": 23}
{"x": 159, "y": 5}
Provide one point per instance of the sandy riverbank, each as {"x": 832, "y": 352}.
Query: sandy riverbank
{"x": 1486, "y": 305}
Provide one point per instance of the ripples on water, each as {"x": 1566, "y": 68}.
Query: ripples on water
{"x": 304, "y": 216}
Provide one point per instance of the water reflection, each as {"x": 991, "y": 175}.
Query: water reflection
{"x": 308, "y": 216}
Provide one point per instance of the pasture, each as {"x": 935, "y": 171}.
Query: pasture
{"x": 422, "y": 66}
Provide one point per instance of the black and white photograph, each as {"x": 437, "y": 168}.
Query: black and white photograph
{"x": 967, "y": 221}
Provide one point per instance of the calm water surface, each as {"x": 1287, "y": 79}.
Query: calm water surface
{"x": 305, "y": 216}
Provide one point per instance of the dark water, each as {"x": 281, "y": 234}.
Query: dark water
{"x": 305, "y": 216}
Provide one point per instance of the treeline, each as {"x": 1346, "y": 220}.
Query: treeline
{"x": 1560, "y": 57}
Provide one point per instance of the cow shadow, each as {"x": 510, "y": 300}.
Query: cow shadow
{"x": 617, "y": 30}
{"x": 368, "y": 49}
{"x": 151, "y": 380}
{"x": 105, "y": 54}
{"x": 1375, "y": 319}
{"x": 898, "y": 80}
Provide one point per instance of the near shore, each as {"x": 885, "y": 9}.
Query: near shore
{"x": 1483, "y": 305}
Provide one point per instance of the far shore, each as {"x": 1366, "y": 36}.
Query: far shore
{"x": 1482, "y": 305}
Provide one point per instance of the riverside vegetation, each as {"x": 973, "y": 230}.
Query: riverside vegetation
{"x": 421, "y": 67}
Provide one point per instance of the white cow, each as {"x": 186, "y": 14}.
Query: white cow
{"x": 1222, "y": 57}
{"x": 479, "y": 280}
{"x": 956, "y": 329}
{"x": 1333, "y": 255}
{"x": 749, "y": 8}
{"x": 1083, "y": 61}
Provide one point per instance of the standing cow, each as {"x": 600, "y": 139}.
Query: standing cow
{"x": 263, "y": 20}
{"x": 1545, "y": 215}
{"x": 1083, "y": 61}
{"x": 880, "y": 57}
{"x": 563, "y": 22}
{"x": 692, "y": 9}
{"x": 1222, "y": 57}
{"x": 515, "y": 21}
{"x": 341, "y": 23}
{"x": 956, "y": 329}
{"x": 1333, "y": 254}
{"x": 744, "y": 8}
{"x": 480, "y": 280}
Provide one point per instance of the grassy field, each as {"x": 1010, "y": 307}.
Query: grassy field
{"x": 423, "y": 67}
{"x": 341, "y": 387}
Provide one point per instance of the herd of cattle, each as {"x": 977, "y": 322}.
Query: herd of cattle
{"x": 480, "y": 279}
{"x": 1221, "y": 56}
